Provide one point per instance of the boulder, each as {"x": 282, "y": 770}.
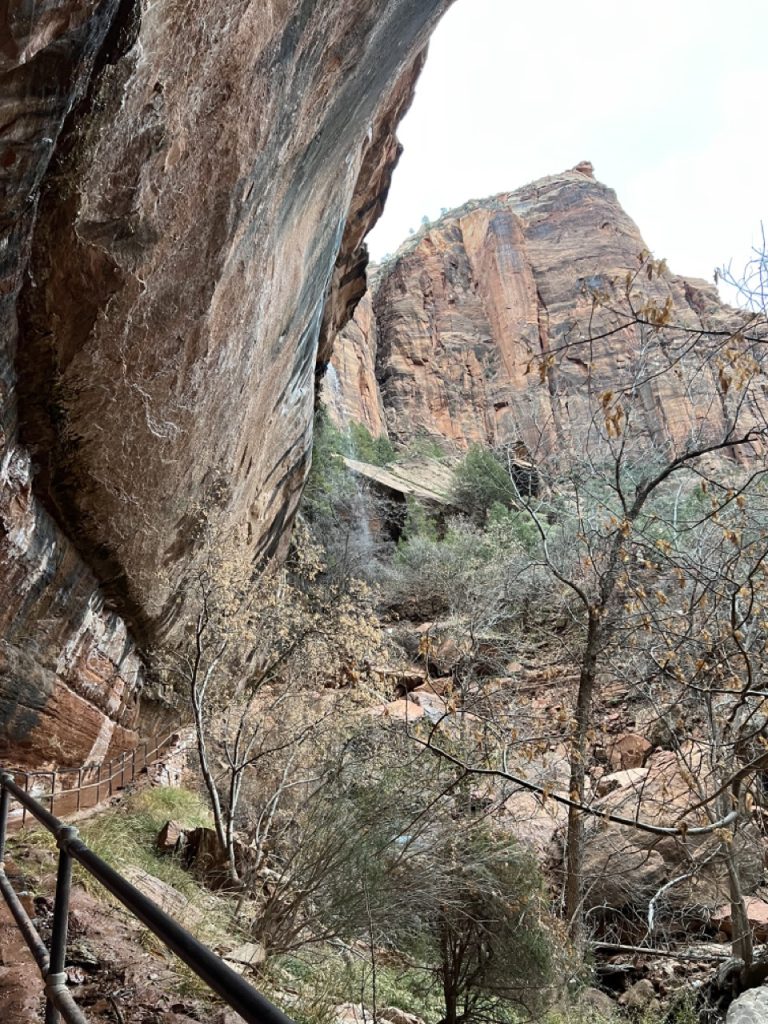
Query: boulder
{"x": 619, "y": 873}
{"x": 434, "y": 707}
{"x": 757, "y": 914}
{"x": 441, "y": 686}
{"x": 631, "y": 778}
{"x": 394, "y": 1015}
{"x": 444, "y": 655}
{"x": 527, "y": 817}
{"x": 399, "y": 711}
{"x": 640, "y": 996}
{"x": 352, "y": 1013}
{"x": 165, "y": 896}
{"x": 406, "y": 680}
{"x": 624, "y": 867}
{"x": 171, "y": 837}
{"x": 749, "y": 1008}
{"x": 599, "y": 1002}
{"x": 629, "y": 750}
{"x": 250, "y": 954}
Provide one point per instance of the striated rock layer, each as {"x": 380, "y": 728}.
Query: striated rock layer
{"x": 350, "y": 391}
{"x": 184, "y": 191}
{"x": 468, "y": 311}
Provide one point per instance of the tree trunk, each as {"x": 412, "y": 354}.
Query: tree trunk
{"x": 574, "y": 846}
{"x": 451, "y": 1005}
{"x": 205, "y": 770}
{"x": 234, "y": 796}
{"x": 741, "y": 933}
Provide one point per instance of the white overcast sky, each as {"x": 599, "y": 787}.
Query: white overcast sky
{"x": 667, "y": 98}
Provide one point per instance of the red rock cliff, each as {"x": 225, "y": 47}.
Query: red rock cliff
{"x": 464, "y": 313}
{"x": 184, "y": 190}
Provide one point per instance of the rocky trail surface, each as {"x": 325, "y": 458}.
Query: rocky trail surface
{"x": 112, "y": 973}
{"x": 20, "y": 983}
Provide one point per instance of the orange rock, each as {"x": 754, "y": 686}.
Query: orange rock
{"x": 628, "y": 751}
{"x": 399, "y": 710}
{"x": 757, "y": 914}
{"x": 465, "y": 305}
{"x": 440, "y": 686}
{"x": 434, "y": 707}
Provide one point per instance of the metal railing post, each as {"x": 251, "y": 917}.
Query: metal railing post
{"x": 251, "y": 1005}
{"x": 133, "y": 765}
{"x": 56, "y": 978}
{"x": 79, "y": 786}
{"x": 3, "y": 819}
{"x": 24, "y": 808}
{"x": 122, "y": 770}
{"x": 98, "y": 782}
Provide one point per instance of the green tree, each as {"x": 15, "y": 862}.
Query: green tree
{"x": 482, "y": 481}
{"x": 487, "y": 938}
{"x": 379, "y": 451}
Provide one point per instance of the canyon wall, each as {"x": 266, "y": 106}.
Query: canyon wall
{"x": 350, "y": 390}
{"x": 483, "y": 328}
{"x": 184, "y": 191}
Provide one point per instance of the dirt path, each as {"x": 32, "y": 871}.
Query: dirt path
{"x": 115, "y": 972}
{"x": 21, "y": 987}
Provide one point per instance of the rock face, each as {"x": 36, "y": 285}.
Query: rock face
{"x": 350, "y": 389}
{"x": 184, "y": 193}
{"x": 469, "y": 309}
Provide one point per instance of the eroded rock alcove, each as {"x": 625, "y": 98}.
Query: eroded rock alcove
{"x": 185, "y": 191}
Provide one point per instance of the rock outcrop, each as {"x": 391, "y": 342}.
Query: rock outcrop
{"x": 350, "y": 390}
{"x": 649, "y": 876}
{"x": 480, "y": 320}
{"x": 185, "y": 191}
{"x": 750, "y": 1007}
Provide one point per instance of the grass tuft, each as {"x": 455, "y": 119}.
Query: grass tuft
{"x": 125, "y": 838}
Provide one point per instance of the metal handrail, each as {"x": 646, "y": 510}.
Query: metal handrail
{"x": 99, "y": 769}
{"x": 242, "y": 997}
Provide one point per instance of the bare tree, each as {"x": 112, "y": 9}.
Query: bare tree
{"x": 604, "y": 515}
{"x": 751, "y": 284}
{"x": 287, "y": 625}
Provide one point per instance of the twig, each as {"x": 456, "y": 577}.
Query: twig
{"x": 116, "y": 1008}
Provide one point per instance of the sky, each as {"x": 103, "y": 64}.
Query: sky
{"x": 666, "y": 99}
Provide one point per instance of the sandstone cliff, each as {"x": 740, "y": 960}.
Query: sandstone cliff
{"x": 468, "y": 310}
{"x": 185, "y": 190}
{"x": 350, "y": 390}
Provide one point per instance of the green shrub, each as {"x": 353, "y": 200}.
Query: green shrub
{"x": 332, "y": 490}
{"x": 508, "y": 527}
{"x": 482, "y": 482}
{"x": 378, "y": 451}
{"x": 418, "y": 523}
{"x": 483, "y": 930}
{"x": 330, "y": 484}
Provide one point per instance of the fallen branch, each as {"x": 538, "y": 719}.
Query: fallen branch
{"x": 616, "y": 947}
